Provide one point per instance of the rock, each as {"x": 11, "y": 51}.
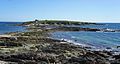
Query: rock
{"x": 103, "y": 54}
{"x": 118, "y": 46}
{"x": 108, "y": 48}
{"x": 116, "y": 56}
{"x": 10, "y": 44}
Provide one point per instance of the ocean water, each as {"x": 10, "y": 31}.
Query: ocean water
{"x": 115, "y": 26}
{"x": 97, "y": 40}
{"x": 6, "y": 27}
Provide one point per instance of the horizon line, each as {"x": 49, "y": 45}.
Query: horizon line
{"x": 92, "y": 21}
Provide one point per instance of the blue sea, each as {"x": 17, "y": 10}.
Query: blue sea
{"x": 97, "y": 40}
{"x": 6, "y": 27}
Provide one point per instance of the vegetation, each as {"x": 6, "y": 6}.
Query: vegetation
{"x": 57, "y": 22}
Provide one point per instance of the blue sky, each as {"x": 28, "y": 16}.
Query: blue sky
{"x": 84, "y": 10}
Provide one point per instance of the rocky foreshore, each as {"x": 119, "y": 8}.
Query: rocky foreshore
{"x": 36, "y": 47}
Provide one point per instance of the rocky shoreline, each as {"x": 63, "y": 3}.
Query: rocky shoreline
{"x": 36, "y": 47}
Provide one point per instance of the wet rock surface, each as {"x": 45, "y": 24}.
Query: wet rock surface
{"x": 51, "y": 51}
{"x": 56, "y": 53}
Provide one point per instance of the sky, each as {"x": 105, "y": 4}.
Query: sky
{"x": 80, "y": 10}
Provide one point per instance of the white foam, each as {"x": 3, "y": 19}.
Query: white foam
{"x": 75, "y": 43}
{"x": 92, "y": 48}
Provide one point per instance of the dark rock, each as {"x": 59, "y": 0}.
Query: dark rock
{"x": 108, "y": 48}
{"x": 116, "y": 56}
{"x": 10, "y": 44}
{"x": 103, "y": 54}
{"x": 118, "y": 46}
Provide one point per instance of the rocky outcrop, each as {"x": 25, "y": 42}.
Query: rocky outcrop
{"x": 57, "y": 54}
{"x": 75, "y": 29}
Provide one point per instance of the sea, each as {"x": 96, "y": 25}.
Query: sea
{"x": 6, "y": 27}
{"x": 97, "y": 41}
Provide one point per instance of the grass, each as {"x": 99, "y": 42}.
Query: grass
{"x": 58, "y": 22}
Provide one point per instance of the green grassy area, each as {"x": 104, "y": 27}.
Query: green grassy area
{"x": 57, "y": 22}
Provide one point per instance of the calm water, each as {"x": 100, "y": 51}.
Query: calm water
{"x": 6, "y": 27}
{"x": 98, "y": 40}
{"x": 105, "y": 25}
